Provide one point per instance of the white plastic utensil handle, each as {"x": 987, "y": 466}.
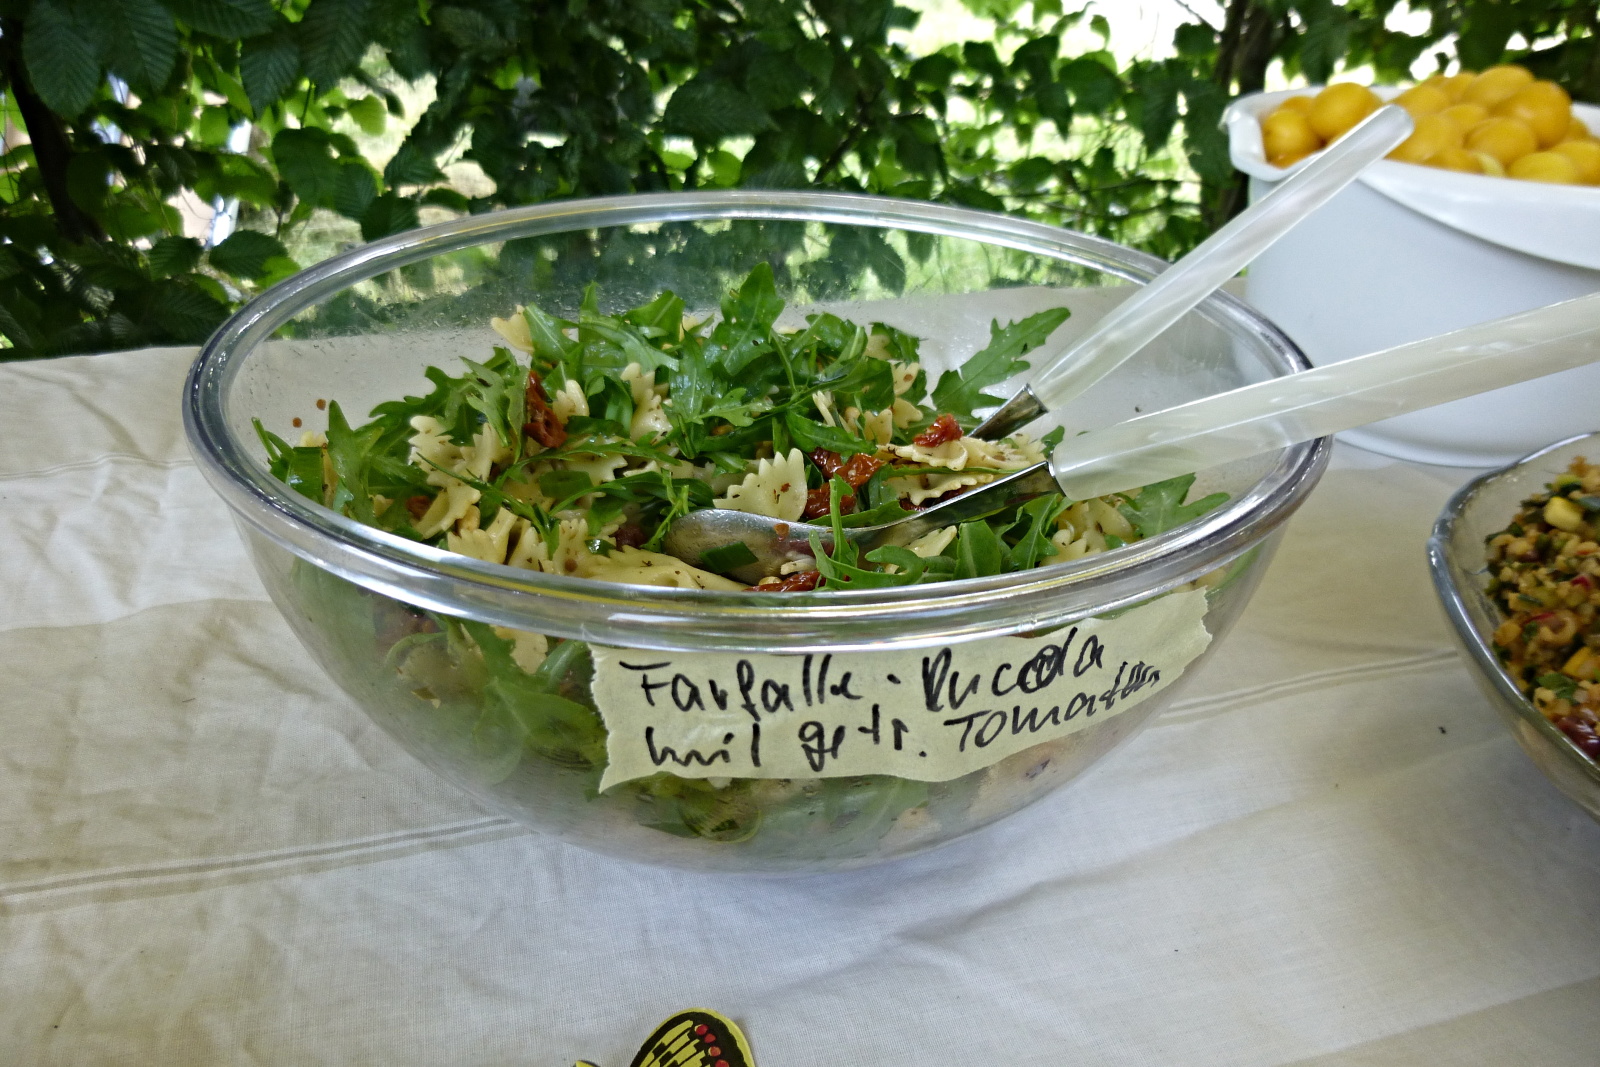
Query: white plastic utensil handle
{"x": 1142, "y": 317}
{"x": 1298, "y": 407}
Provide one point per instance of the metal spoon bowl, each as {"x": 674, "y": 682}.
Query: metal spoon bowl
{"x": 776, "y": 543}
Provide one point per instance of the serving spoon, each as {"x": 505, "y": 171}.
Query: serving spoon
{"x": 1142, "y": 317}
{"x": 1242, "y": 422}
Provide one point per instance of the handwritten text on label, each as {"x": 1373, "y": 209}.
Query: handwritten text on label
{"x": 926, "y": 714}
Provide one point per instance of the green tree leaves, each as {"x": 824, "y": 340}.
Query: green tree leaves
{"x": 710, "y": 109}
{"x": 305, "y": 161}
{"x": 355, "y": 190}
{"x": 1324, "y": 38}
{"x": 227, "y": 19}
{"x": 411, "y": 165}
{"x": 389, "y": 213}
{"x": 61, "y": 61}
{"x": 141, "y": 42}
{"x": 332, "y": 36}
{"x": 174, "y": 255}
{"x": 269, "y": 66}
{"x": 184, "y": 311}
{"x": 246, "y": 253}
{"x": 607, "y": 96}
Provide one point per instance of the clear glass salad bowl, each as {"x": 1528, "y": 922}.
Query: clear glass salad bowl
{"x": 1480, "y": 509}
{"x": 361, "y": 327}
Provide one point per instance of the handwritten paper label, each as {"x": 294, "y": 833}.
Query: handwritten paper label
{"x": 929, "y": 714}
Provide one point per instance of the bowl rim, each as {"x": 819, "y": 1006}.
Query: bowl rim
{"x": 681, "y": 619}
{"x": 1442, "y": 563}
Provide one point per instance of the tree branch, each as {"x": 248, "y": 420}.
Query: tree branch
{"x": 1589, "y": 86}
{"x": 857, "y": 128}
{"x": 1228, "y": 44}
{"x": 52, "y": 148}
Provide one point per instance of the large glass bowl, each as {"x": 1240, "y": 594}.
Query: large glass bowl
{"x": 1479, "y": 510}
{"x": 360, "y": 328}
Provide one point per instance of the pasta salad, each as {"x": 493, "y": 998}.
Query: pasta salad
{"x": 577, "y": 443}
{"x": 574, "y": 447}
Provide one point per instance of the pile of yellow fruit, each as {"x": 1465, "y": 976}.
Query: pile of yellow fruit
{"x": 1503, "y": 122}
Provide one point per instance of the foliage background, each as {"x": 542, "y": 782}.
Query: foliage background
{"x": 309, "y": 123}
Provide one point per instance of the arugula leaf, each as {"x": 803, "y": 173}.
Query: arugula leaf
{"x": 605, "y": 445}
{"x": 592, "y": 427}
{"x": 960, "y": 392}
{"x": 865, "y": 382}
{"x": 692, "y": 807}
{"x": 611, "y": 400}
{"x": 351, "y": 453}
{"x": 1159, "y": 506}
{"x": 724, "y": 558}
{"x": 979, "y": 552}
{"x": 838, "y": 567}
{"x": 277, "y": 450}
{"x": 876, "y": 491}
{"x": 810, "y": 435}
{"x": 304, "y": 473}
{"x": 660, "y": 318}
{"x": 456, "y": 402}
{"x": 602, "y": 330}
{"x": 680, "y": 501}
{"x": 1037, "y": 520}
{"x": 561, "y": 730}
{"x": 550, "y": 343}
{"x": 602, "y": 513}
{"x": 565, "y": 487}
{"x": 745, "y": 330}
{"x": 498, "y": 391}
{"x": 912, "y": 566}
{"x": 839, "y": 575}
{"x": 656, "y": 491}
{"x": 494, "y": 499}
{"x": 899, "y": 345}
{"x": 408, "y": 406}
{"x": 825, "y": 330}
{"x": 888, "y": 511}
{"x": 735, "y": 409}
{"x": 701, "y": 393}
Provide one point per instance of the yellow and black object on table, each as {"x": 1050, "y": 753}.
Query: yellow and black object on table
{"x": 693, "y": 1038}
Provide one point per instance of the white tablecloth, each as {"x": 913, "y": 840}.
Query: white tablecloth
{"x": 1330, "y": 853}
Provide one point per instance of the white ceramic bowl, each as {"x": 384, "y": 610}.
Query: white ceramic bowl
{"x": 1408, "y": 252}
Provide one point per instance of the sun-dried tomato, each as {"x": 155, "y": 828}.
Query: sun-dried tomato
{"x": 861, "y": 468}
{"x": 856, "y": 471}
{"x": 827, "y": 462}
{"x": 817, "y": 503}
{"x": 542, "y": 424}
{"x": 418, "y": 505}
{"x": 803, "y": 582}
{"x": 944, "y": 428}
{"x": 629, "y": 535}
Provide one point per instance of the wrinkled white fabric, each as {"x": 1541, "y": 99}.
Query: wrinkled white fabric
{"x": 1329, "y": 853}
